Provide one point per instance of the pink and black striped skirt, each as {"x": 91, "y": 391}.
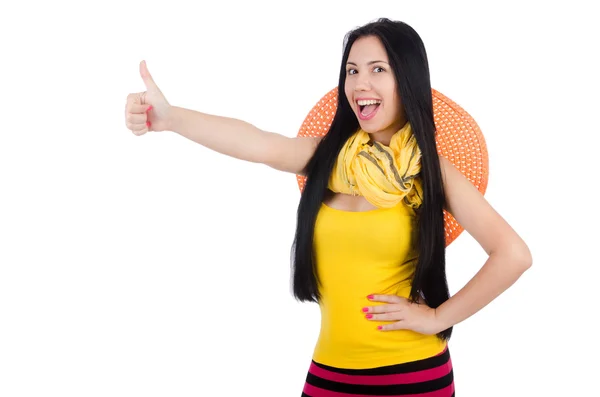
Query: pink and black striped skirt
{"x": 430, "y": 377}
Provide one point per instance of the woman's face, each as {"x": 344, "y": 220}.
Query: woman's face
{"x": 371, "y": 89}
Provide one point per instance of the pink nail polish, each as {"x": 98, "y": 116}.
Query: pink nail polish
{"x": 370, "y": 297}
{"x": 365, "y": 309}
{"x": 379, "y": 327}
{"x": 369, "y": 316}
{"x": 148, "y": 123}
{"x": 149, "y": 109}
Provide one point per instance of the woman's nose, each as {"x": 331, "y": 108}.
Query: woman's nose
{"x": 362, "y": 83}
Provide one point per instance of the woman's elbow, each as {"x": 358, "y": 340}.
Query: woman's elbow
{"x": 520, "y": 256}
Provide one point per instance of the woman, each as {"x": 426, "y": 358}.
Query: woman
{"x": 370, "y": 239}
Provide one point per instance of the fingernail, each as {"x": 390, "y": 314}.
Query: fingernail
{"x": 148, "y": 123}
{"x": 365, "y": 309}
{"x": 149, "y": 109}
{"x": 370, "y": 297}
{"x": 379, "y": 327}
{"x": 369, "y": 316}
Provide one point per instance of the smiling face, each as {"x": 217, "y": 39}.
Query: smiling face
{"x": 372, "y": 90}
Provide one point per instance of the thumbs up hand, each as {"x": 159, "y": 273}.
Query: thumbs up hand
{"x": 148, "y": 110}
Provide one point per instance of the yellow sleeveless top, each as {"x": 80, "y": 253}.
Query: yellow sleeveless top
{"x": 357, "y": 254}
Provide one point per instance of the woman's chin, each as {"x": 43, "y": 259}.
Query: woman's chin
{"x": 368, "y": 127}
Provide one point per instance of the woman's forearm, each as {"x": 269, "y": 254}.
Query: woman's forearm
{"x": 225, "y": 135}
{"x": 500, "y": 271}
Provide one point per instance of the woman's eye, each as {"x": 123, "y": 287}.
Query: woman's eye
{"x": 376, "y": 69}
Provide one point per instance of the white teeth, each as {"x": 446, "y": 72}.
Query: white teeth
{"x": 363, "y": 102}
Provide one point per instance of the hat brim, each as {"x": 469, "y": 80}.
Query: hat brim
{"x": 458, "y": 139}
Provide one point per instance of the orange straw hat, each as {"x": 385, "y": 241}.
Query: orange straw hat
{"x": 458, "y": 139}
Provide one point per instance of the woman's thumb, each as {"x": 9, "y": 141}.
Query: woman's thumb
{"x": 147, "y": 77}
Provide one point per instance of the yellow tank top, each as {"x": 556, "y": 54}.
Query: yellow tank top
{"x": 357, "y": 254}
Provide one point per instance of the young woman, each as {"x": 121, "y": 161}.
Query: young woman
{"x": 370, "y": 239}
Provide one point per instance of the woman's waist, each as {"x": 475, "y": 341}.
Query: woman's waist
{"x": 359, "y": 344}
{"x": 344, "y": 322}
{"x": 346, "y": 295}
{"x": 347, "y": 337}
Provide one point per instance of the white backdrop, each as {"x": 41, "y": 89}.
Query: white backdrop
{"x": 151, "y": 266}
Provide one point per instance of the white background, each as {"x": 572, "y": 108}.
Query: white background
{"x": 151, "y": 266}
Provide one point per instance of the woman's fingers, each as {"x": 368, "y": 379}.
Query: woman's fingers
{"x": 139, "y": 129}
{"x": 392, "y": 316}
{"x": 383, "y": 308}
{"x": 136, "y": 114}
{"x": 137, "y": 108}
{"x": 136, "y": 118}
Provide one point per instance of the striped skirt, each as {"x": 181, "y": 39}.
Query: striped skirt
{"x": 430, "y": 377}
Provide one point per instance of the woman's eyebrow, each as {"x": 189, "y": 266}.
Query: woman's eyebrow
{"x": 369, "y": 63}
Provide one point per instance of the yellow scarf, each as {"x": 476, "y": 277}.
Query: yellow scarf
{"x": 383, "y": 175}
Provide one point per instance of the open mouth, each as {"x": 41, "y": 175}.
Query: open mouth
{"x": 368, "y": 108}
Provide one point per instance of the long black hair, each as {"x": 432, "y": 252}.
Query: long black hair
{"x": 408, "y": 59}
